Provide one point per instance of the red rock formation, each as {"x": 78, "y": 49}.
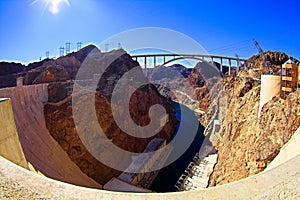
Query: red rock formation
{"x": 49, "y": 77}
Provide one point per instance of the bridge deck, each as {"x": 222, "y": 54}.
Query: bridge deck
{"x": 188, "y": 55}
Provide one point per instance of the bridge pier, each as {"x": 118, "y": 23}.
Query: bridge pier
{"x": 229, "y": 63}
{"x": 237, "y": 66}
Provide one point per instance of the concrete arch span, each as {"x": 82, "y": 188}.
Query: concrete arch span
{"x": 182, "y": 58}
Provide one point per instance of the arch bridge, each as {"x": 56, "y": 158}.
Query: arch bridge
{"x": 154, "y": 60}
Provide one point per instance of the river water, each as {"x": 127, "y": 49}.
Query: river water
{"x": 168, "y": 176}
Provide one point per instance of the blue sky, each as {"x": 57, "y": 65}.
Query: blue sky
{"x": 29, "y": 29}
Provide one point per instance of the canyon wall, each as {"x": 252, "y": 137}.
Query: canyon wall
{"x": 246, "y": 144}
{"x": 60, "y": 121}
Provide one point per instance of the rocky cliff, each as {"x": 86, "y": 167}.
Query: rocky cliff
{"x": 246, "y": 144}
{"x": 60, "y": 121}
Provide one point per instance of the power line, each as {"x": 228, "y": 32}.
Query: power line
{"x": 233, "y": 48}
{"x": 241, "y": 48}
{"x": 231, "y": 45}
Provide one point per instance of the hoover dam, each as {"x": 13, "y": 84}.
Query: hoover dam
{"x": 42, "y": 156}
{"x": 147, "y": 100}
{"x": 34, "y": 166}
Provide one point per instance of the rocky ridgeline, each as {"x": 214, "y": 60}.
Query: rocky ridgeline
{"x": 46, "y": 71}
{"x": 256, "y": 68}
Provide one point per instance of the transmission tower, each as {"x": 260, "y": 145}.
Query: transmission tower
{"x": 119, "y": 46}
{"x": 61, "y": 51}
{"x": 106, "y": 47}
{"x": 68, "y": 47}
{"x": 47, "y": 54}
{"x": 256, "y": 44}
{"x": 266, "y": 62}
{"x": 79, "y": 45}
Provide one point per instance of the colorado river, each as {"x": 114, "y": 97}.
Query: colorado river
{"x": 168, "y": 176}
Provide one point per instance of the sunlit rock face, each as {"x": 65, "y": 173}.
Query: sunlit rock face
{"x": 246, "y": 144}
{"x": 60, "y": 121}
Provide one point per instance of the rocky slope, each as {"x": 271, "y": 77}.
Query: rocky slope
{"x": 246, "y": 144}
{"x": 60, "y": 121}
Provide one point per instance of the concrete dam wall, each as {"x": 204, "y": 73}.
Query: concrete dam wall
{"x": 42, "y": 153}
